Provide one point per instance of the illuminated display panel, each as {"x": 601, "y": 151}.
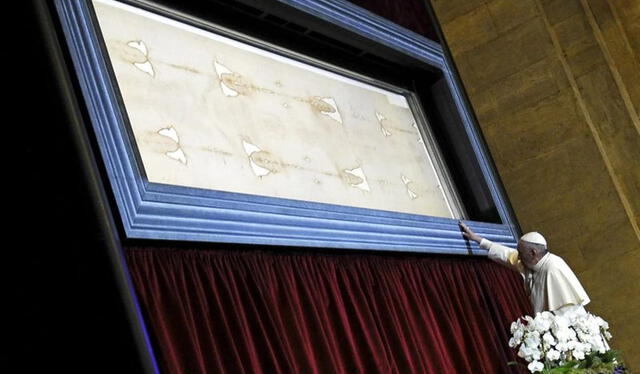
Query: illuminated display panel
{"x": 211, "y": 112}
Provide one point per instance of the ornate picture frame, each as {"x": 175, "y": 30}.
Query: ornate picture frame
{"x": 151, "y": 210}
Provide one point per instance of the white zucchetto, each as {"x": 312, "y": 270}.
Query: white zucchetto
{"x": 534, "y": 237}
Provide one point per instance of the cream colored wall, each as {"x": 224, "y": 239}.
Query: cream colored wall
{"x": 555, "y": 85}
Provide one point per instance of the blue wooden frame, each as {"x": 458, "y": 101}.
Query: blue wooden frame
{"x": 156, "y": 211}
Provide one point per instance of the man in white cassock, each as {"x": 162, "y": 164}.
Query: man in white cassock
{"x": 551, "y": 284}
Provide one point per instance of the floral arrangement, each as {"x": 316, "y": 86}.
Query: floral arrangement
{"x": 569, "y": 343}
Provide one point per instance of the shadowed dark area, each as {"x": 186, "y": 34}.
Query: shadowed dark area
{"x": 70, "y": 315}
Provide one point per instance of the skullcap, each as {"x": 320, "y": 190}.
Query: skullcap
{"x": 534, "y": 237}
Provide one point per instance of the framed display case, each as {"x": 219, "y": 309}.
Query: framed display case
{"x": 338, "y": 130}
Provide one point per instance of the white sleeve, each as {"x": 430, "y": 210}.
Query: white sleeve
{"x": 503, "y": 255}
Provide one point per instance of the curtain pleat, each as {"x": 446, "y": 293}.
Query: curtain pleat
{"x": 255, "y": 311}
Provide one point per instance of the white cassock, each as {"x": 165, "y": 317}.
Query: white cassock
{"x": 551, "y": 284}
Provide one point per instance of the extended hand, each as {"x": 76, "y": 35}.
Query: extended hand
{"x": 468, "y": 233}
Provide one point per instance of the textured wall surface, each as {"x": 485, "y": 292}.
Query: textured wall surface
{"x": 555, "y": 85}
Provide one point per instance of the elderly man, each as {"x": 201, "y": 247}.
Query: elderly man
{"x": 548, "y": 279}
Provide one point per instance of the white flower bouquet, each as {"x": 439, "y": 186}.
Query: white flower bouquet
{"x": 571, "y": 342}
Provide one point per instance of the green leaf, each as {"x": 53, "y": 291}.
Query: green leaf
{"x": 610, "y": 355}
{"x": 560, "y": 370}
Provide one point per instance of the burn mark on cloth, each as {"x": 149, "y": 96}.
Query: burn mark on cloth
{"x": 406, "y": 181}
{"x": 262, "y": 162}
{"x": 383, "y": 129}
{"x": 326, "y": 106}
{"x": 355, "y": 178}
{"x": 144, "y": 66}
{"x": 177, "y": 154}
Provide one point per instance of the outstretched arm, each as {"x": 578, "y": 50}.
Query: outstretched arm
{"x": 497, "y": 252}
{"x": 468, "y": 233}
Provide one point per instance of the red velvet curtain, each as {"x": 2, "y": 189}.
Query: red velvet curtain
{"x": 232, "y": 311}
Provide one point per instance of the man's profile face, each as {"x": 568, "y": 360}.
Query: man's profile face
{"x": 526, "y": 254}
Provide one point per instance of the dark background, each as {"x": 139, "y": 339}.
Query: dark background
{"x": 64, "y": 309}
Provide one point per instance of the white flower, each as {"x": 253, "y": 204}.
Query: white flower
{"x": 562, "y": 346}
{"x": 548, "y": 338}
{"x": 525, "y": 352}
{"x": 513, "y": 343}
{"x": 547, "y": 315}
{"x": 532, "y": 339}
{"x": 542, "y": 322}
{"x": 529, "y": 353}
{"x": 563, "y": 334}
{"x": 584, "y": 348}
{"x": 579, "y": 350}
{"x": 588, "y": 323}
{"x": 516, "y": 325}
{"x": 578, "y": 354}
{"x": 602, "y": 323}
{"x": 560, "y": 322}
{"x": 536, "y": 354}
{"x": 535, "y": 366}
{"x": 517, "y": 330}
{"x": 553, "y": 355}
{"x": 518, "y": 334}
{"x": 522, "y": 351}
{"x": 599, "y": 346}
{"x": 556, "y": 338}
{"x": 529, "y": 320}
